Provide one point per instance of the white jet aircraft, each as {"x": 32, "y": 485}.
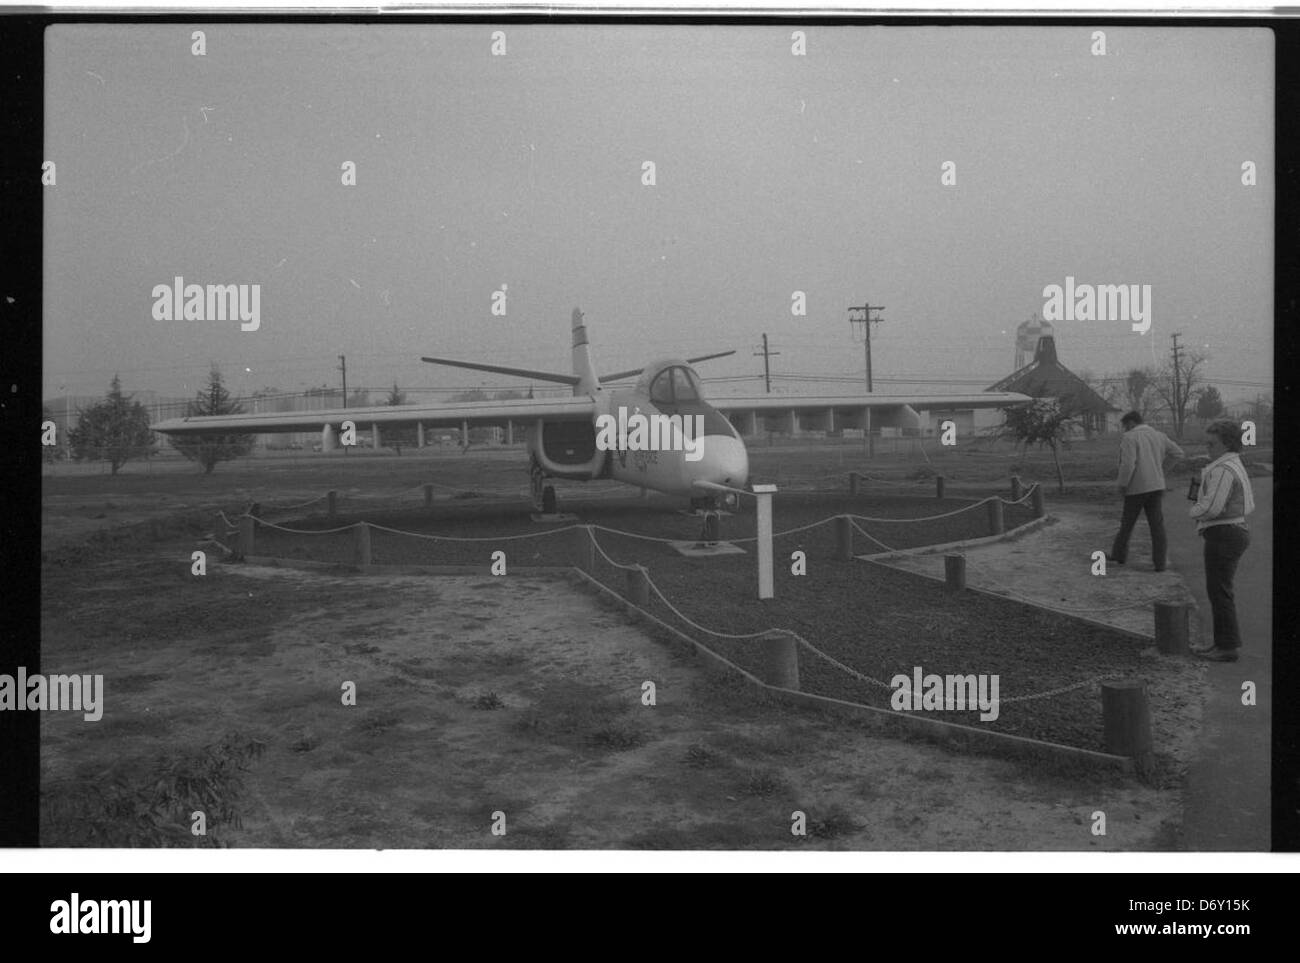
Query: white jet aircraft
{"x": 683, "y": 445}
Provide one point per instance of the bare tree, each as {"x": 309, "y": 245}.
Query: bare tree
{"x": 1177, "y": 386}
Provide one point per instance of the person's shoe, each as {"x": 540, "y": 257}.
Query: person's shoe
{"x": 1220, "y": 655}
{"x": 1201, "y": 649}
{"x": 1161, "y": 568}
{"x": 1112, "y": 560}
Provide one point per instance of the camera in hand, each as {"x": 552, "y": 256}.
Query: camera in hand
{"x": 1194, "y": 488}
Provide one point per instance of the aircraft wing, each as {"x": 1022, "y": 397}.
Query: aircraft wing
{"x": 797, "y": 403}
{"x": 473, "y": 413}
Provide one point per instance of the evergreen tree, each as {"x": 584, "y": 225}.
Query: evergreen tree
{"x": 1209, "y": 403}
{"x": 114, "y": 430}
{"x": 209, "y": 449}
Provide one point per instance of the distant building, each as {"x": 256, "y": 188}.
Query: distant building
{"x": 1027, "y": 336}
{"x": 1046, "y": 377}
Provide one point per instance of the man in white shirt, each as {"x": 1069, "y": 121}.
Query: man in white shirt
{"x": 1142, "y": 452}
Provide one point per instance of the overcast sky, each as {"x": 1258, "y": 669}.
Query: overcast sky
{"x": 774, "y": 173}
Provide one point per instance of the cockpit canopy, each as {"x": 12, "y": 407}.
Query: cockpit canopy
{"x": 670, "y": 383}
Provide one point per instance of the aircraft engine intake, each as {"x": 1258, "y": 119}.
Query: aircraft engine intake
{"x": 567, "y": 449}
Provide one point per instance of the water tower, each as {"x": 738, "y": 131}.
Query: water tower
{"x": 1027, "y": 336}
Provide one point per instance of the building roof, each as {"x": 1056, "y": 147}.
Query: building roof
{"x": 1046, "y": 377}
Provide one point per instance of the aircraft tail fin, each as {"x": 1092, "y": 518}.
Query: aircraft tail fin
{"x": 587, "y": 382}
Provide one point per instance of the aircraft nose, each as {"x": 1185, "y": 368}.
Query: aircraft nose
{"x": 723, "y": 461}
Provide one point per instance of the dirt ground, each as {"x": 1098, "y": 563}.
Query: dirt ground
{"x": 480, "y": 695}
{"x": 523, "y": 696}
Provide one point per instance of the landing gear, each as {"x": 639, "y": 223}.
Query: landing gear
{"x": 543, "y": 494}
{"x": 703, "y": 503}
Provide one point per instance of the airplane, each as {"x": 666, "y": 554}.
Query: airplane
{"x": 567, "y": 437}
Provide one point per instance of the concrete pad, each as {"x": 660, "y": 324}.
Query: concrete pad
{"x": 544, "y": 519}
{"x": 706, "y": 550}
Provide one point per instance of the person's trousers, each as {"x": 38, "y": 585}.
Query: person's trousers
{"x": 1134, "y": 505}
{"x": 1224, "y": 546}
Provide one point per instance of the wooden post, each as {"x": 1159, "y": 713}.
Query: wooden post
{"x": 1016, "y": 488}
{"x": 428, "y": 496}
{"x": 361, "y": 546}
{"x": 638, "y": 586}
{"x": 247, "y": 525}
{"x": 419, "y": 434}
{"x": 954, "y": 573}
{"x": 938, "y": 486}
{"x": 1040, "y": 509}
{"x": 844, "y": 538}
{"x": 1172, "y": 619}
{"x": 763, "y": 496}
{"x": 1126, "y": 720}
{"x": 854, "y": 481}
{"x": 780, "y": 665}
{"x": 586, "y": 549}
{"x": 332, "y": 499}
{"x": 996, "y": 526}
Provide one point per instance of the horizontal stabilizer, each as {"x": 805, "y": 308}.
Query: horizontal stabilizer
{"x": 562, "y": 379}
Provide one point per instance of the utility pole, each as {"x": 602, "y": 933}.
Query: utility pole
{"x": 1178, "y": 398}
{"x": 343, "y": 366}
{"x": 767, "y": 371}
{"x": 867, "y": 321}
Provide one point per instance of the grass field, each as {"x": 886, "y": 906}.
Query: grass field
{"x": 520, "y": 695}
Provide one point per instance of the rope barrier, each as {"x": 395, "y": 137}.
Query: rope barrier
{"x": 840, "y": 665}
{"x": 617, "y": 565}
{"x": 462, "y": 538}
{"x": 304, "y": 531}
{"x": 887, "y": 548}
{"x": 644, "y": 538}
{"x": 1022, "y": 499}
{"x": 789, "y": 531}
{"x": 591, "y": 530}
{"x": 929, "y": 518}
{"x": 1063, "y": 689}
{"x": 289, "y": 508}
{"x": 691, "y": 622}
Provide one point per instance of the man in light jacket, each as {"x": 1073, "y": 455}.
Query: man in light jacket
{"x": 1142, "y": 452}
{"x": 1222, "y": 504}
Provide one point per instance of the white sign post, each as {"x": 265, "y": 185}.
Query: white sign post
{"x": 763, "y": 494}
